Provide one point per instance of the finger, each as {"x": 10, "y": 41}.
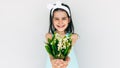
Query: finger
{"x": 68, "y": 59}
{"x": 63, "y": 66}
{"x": 57, "y": 62}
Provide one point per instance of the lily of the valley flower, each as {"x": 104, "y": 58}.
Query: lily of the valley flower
{"x": 59, "y": 47}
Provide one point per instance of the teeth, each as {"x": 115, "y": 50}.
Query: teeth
{"x": 61, "y": 26}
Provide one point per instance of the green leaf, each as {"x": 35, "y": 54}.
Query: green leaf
{"x": 48, "y": 50}
{"x": 56, "y": 47}
{"x": 53, "y": 37}
{"x": 67, "y": 51}
{"x": 62, "y": 56}
{"x": 53, "y": 50}
{"x": 49, "y": 40}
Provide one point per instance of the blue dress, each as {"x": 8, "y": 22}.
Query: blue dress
{"x": 73, "y": 60}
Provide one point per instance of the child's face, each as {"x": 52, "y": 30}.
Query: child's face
{"x": 60, "y": 20}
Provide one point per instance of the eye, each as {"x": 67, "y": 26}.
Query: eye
{"x": 56, "y": 19}
{"x": 64, "y": 18}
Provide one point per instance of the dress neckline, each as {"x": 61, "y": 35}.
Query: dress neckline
{"x": 67, "y": 34}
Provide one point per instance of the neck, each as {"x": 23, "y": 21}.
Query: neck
{"x": 61, "y": 32}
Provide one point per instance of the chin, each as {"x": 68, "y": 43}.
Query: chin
{"x": 60, "y": 29}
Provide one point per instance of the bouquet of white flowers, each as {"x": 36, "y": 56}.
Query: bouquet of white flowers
{"x": 59, "y": 47}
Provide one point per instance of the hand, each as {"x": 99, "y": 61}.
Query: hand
{"x": 60, "y": 63}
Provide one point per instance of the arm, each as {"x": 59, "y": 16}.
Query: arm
{"x": 74, "y": 38}
{"x": 48, "y": 35}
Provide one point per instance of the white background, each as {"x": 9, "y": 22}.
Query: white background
{"x": 23, "y": 24}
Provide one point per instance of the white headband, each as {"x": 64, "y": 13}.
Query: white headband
{"x": 58, "y": 4}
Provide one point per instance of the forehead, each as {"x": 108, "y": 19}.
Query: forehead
{"x": 59, "y": 13}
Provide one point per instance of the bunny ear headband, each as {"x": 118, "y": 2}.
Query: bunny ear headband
{"x": 56, "y": 5}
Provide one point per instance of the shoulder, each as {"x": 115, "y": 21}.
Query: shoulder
{"x": 48, "y": 35}
{"x": 74, "y": 36}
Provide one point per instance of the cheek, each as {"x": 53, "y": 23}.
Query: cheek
{"x": 55, "y": 21}
{"x": 66, "y": 21}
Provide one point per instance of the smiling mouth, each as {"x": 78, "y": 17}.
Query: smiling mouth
{"x": 61, "y": 26}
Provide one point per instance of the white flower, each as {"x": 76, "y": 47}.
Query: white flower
{"x": 57, "y": 36}
{"x": 59, "y": 45}
{"x": 68, "y": 44}
{"x": 59, "y": 54}
{"x": 65, "y": 39}
{"x": 64, "y": 47}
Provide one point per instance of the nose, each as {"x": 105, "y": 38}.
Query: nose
{"x": 60, "y": 22}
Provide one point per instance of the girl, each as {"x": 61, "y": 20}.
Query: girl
{"x": 61, "y": 23}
